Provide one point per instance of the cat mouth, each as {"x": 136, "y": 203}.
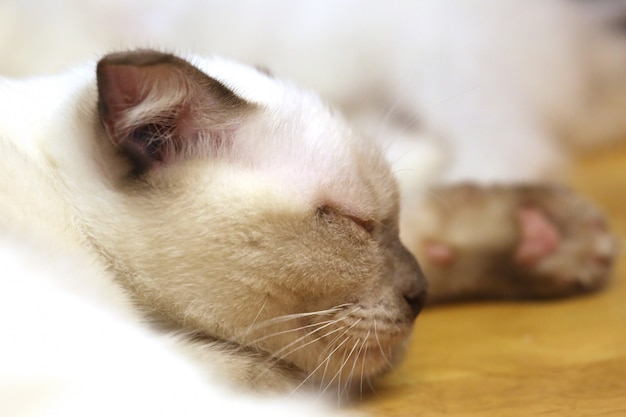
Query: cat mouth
{"x": 356, "y": 360}
{"x": 344, "y": 365}
{"x": 332, "y": 350}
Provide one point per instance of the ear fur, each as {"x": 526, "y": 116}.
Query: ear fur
{"x": 156, "y": 107}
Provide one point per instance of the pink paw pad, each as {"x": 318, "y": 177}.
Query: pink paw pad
{"x": 439, "y": 253}
{"x": 539, "y": 236}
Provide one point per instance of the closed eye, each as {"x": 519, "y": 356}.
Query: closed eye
{"x": 368, "y": 225}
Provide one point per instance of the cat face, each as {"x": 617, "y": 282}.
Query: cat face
{"x": 243, "y": 210}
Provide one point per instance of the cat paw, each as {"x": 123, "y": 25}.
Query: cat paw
{"x": 512, "y": 242}
{"x": 565, "y": 245}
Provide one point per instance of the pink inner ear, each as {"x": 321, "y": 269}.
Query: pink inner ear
{"x": 123, "y": 84}
{"x": 119, "y": 92}
{"x": 157, "y": 108}
{"x": 146, "y": 109}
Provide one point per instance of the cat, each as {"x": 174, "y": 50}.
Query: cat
{"x": 125, "y": 210}
{"x": 230, "y": 207}
{"x": 168, "y": 224}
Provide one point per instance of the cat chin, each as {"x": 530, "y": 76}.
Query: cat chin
{"x": 266, "y": 373}
{"x": 357, "y": 362}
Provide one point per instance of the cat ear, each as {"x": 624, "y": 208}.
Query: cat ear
{"x": 157, "y": 108}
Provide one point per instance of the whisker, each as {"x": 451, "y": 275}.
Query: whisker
{"x": 276, "y": 357}
{"x": 327, "y": 360}
{"x": 281, "y": 354}
{"x": 380, "y": 346}
{"x": 344, "y": 360}
{"x": 294, "y": 316}
{"x": 267, "y": 336}
{"x": 330, "y": 346}
{"x": 356, "y": 361}
{"x": 297, "y": 348}
{"x": 344, "y": 363}
{"x": 278, "y": 353}
{"x": 255, "y": 318}
{"x": 392, "y": 321}
{"x": 363, "y": 363}
{"x": 343, "y": 393}
{"x": 319, "y": 366}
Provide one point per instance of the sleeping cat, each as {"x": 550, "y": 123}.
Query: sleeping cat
{"x": 169, "y": 226}
{"x": 231, "y": 208}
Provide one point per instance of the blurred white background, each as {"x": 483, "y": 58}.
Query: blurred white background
{"x": 477, "y": 89}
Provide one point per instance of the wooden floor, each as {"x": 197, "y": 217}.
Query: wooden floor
{"x": 558, "y": 358}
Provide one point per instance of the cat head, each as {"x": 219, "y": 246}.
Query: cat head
{"x": 242, "y": 209}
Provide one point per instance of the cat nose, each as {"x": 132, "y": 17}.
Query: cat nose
{"x": 409, "y": 279}
{"x": 417, "y": 302}
{"x": 414, "y": 288}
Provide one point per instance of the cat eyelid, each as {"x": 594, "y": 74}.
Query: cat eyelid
{"x": 366, "y": 224}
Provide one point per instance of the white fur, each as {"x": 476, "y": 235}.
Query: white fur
{"x": 68, "y": 355}
{"x": 72, "y": 343}
{"x": 72, "y": 338}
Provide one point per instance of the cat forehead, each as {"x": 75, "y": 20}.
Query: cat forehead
{"x": 310, "y": 150}
{"x": 302, "y": 144}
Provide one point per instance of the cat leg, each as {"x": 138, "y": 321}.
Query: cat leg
{"x": 508, "y": 242}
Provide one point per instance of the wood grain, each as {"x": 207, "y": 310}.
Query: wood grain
{"x": 553, "y": 358}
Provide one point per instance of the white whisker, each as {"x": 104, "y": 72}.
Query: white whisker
{"x": 330, "y": 345}
{"x": 392, "y": 321}
{"x": 278, "y": 357}
{"x": 380, "y": 346}
{"x": 356, "y": 361}
{"x": 251, "y": 326}
{"x": 294, "y": 316}
{"x": 367, "y": 336}
{"x": 280, "y": 351}
{"x": 341, "y": 393}
{"x": 290, "y": 352}
{"x": 267, "y": 336}
{"x": 344, "y": 363}
{"x": 319, "y": 366}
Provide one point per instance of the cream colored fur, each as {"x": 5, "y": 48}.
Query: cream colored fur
{"x": 243, "y": 251}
